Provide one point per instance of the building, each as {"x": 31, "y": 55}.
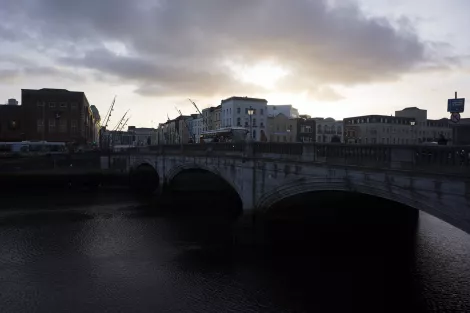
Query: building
{"x": 142, "y": 136}
{"x": 306, "y": 129}
{"x": 288, "y": 110}
{"x": 217, "y": 117}
{"x": 461, "y": 132}
{"x": 234, "y": 113}
{"x": 427, "y": 130}
{"x": 96, "y": 124}
{"x": 281, "y": 128}
{"x": 57, "y": 115}
{"x": 197, "y": 126}
{"x": 329, "y": 130}
{"x": 12, "y": 101}
{"x": 379, "y": 129}
{"x": 11, "y": 123}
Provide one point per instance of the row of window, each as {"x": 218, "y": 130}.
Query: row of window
{"x": 389, "y": 120}
{"x": 329, "y": 129}
{"x": 395, "y": 120}
{"x": 53, "y": 123}
{"x": 73, "y": 105}
{"x": 239, "y": 111}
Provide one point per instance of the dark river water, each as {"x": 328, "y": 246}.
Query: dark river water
{"x": 105, "y": 252}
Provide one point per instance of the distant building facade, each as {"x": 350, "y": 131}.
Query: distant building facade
{"x": 281, "y": 128}
{"x": 234, "y": 113}
{"x": 57, "y": 115}
{"x": 287, "y": 109}
{"x": 329, "y": 130}
{"x": 11, "y": 123}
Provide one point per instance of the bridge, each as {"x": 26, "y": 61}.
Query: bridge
{"x": 435, "y": 180}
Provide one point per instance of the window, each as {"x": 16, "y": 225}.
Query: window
{"x": 74, "y": 126}
{"x": 261, "y": 124}
{"x": 254, "y": 133}
{"x": 254, "y": 122}
{"x": 12, "y": 125}
{"x": 261, "y": 112}
{"x": 238, "y": 110}
{"x": 63, "y": 126}
{"x": 52, "y": 104}
{"x": 40, "y": 104}
{"x": 51, "y": 125}
{"x": 239, "y": 123}
{"x": 74, "y": 105}
{"x": 63, "y": 104}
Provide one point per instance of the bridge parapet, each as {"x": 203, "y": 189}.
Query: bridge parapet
{"x": 431, "y": 159}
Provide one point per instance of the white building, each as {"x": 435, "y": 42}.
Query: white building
{"x": 197, "y": 127}
{"x": 287, "y": 110}
{"x": 234, "y": 113}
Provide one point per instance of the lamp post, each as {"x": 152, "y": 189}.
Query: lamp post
{"x": 251, "y": 111}
{"x": 412, "y": 123}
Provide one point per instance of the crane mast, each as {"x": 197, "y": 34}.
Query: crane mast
{"x": 203, "y": 118}
{"x": 120, "y": 121}
{"x": 108, "y": 114}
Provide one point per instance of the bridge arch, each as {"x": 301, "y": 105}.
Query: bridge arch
{"x": 302, "y": 186}
{"x": 144, "y": 177}
{"x": 211, "y": 189}
{"x": 173, "y": 172}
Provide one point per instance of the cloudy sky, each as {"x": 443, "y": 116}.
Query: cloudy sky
{"x": 334, "y": 58}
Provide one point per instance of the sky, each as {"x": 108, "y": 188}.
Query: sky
{"x": 334, "y": 58}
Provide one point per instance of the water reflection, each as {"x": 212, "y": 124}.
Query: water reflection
{"x": 118, "y": 255}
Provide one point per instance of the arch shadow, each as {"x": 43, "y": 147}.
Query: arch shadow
{"x": 144, "y": 179}
{"x": 304, "y": 186}
{"x": 203, "y": 189}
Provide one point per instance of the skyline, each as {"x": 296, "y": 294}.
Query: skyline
{"x": 325, "y": 59}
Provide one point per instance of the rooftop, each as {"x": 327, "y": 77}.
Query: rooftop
{"x": 245, "y": 99}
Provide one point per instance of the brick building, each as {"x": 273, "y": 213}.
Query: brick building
{"x": 57, "y": 115}
{"x": 11, "y": 126}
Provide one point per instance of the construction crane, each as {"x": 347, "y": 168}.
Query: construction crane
{"x": 108, "y": 114}
{"x": 124, "y": 124}
{"x": 120, "y": 121}
{"x": 187, "y": 126}
{"x": 204, "y": 121}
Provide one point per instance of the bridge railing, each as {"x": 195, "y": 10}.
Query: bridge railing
{"x": 444, "y": 159}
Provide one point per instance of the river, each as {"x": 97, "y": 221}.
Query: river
{"x": 106, "y": 252}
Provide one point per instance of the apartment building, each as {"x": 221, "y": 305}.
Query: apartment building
{"x": 235, "y": 113}
{"x": 329, "y": 130}
{"x": 427, "y": 130}
{"x": 380, "y": 129}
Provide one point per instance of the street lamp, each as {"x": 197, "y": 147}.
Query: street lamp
{"x": 251, "y": 111}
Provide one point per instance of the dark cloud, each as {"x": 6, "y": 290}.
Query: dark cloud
{"x": 178, "y": 46}
{"x": 43, "y": 72}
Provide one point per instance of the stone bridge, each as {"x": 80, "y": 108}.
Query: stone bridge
{"x": 435, "y": 179}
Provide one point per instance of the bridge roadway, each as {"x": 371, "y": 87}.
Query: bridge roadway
{"x": 433, "y": 179}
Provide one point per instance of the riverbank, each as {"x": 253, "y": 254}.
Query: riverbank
{"x": 62, "y": 179}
